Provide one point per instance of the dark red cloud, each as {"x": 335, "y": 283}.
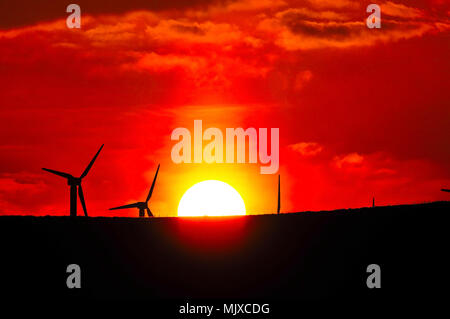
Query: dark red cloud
{"x": 25, "y": 12}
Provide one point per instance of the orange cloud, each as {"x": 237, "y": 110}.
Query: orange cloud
{"x": 310, "y": 25}
{"x": 155, "y": 62}
{"x": 333, "y": 3}
{"x": 399, "y": 10}
{"x": 193, "y": 32}
{"x": 307, "y": 148}
{"x": 349, "y": 159}
{"x": 237, "y": 7}
{"x": 300, "y": 29}
{"x": 251, "y": 5}
{"x": 306, "y": 13}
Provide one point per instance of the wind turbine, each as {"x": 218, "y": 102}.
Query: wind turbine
{"x": 279, "y": 203}
{"x": 445, "y": 190}
{"x": 142, "y": 206}
{"x": 75, "y": 185}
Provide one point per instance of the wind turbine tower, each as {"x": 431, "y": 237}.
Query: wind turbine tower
{"x": 279, "y": 203}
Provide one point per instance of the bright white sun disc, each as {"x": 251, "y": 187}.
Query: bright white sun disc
{"x": 211, "y": 198}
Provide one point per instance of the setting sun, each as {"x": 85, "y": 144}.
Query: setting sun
{"x": 211, "y": 198}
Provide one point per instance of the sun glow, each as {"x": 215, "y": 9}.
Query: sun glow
{"x": 211, "y": 198}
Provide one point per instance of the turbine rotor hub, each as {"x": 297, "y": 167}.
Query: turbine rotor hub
{"x": 74, "y": 181}
{"x": 143, "y": 205}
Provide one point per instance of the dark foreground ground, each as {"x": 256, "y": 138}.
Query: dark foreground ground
{"x": 292, "y": 256}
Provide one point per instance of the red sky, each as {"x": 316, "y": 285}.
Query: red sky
{"x": 362, "y": 112}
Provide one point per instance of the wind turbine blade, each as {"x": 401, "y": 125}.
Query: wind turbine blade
{"x": 80, "y": 194}
{"x": 153, "y": 185}
{"x": 126, "y": 206}
{"x": 62, "y": 174}
{"x": 149, "y": 212}
{"x": 445, "y": 190}
{"x": 86, "y": 171}
{"x": 279, "y": 203}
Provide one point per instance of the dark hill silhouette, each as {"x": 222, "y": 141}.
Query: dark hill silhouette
{"x": 287, "y": 256}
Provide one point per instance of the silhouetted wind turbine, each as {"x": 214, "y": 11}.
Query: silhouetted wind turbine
{"x": 142, "y": 206}
{"x": 279, "y": 203}
{"x": 445, "y": 190}
{"x": 75, "y": 182}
